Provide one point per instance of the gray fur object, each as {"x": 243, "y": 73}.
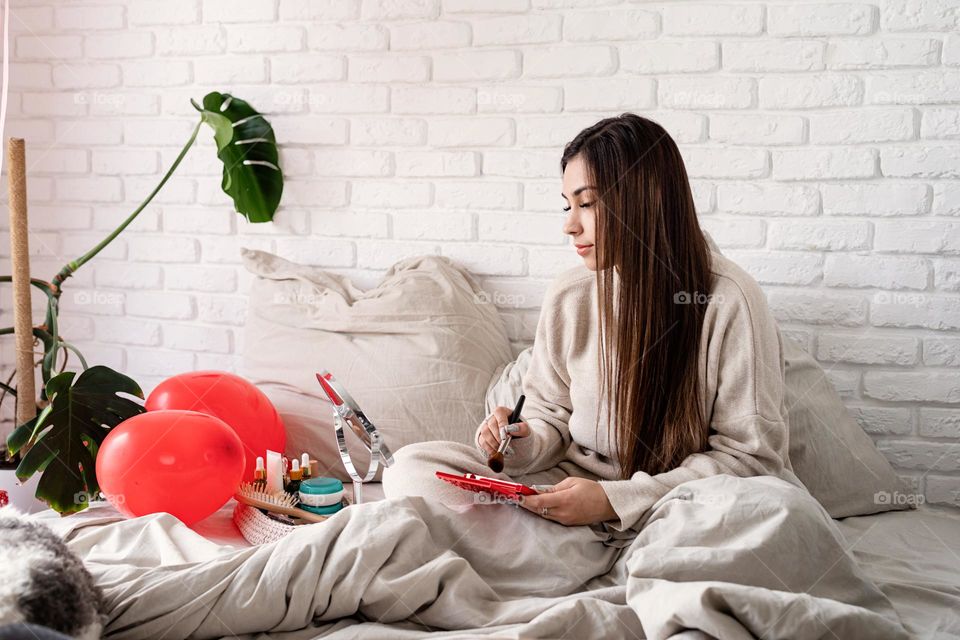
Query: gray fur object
{"x": 43, "y": 582}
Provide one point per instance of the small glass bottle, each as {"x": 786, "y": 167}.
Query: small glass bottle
{"x": 296, "y": 475}
{"x": 305, "y": 465}
{"x": 260, "y": 475}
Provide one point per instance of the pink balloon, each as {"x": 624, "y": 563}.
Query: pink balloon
{"x": 185, "y": 463}
{"x": 232, "y": 399}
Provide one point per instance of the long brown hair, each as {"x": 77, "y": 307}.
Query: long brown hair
{"x": 650, "y": 319}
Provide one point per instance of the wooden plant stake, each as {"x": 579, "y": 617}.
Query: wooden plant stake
{"x": 20, "y": 260}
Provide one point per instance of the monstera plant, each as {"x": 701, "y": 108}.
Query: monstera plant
{"x": 77, "y": 411}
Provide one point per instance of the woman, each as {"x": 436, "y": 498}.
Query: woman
{"x": 659, "y": 330}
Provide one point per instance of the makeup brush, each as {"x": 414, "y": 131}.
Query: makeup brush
{"x": 495, "y": 461}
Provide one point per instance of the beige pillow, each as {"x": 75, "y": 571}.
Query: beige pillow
{"x": 416, "y": 352}
{"x": 837, "y": 461}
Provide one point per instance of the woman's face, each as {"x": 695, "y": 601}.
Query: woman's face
{"x": 580, "y": 206}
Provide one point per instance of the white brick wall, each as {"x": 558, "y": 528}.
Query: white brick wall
{"x": 822, "y": 140}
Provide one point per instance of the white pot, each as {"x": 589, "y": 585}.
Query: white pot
{"x": 21, "y": 494}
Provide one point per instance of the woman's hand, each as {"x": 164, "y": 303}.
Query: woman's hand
{"x": 490, "y": 430}
{"x": 572, "y": 501}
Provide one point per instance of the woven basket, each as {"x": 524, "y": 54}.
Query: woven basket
{"x": 258, "y": 528}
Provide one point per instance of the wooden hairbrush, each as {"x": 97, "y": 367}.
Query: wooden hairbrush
{"x": 277, "y": 502}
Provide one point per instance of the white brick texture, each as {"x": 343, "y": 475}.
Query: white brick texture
{"x": 822, "y": 141}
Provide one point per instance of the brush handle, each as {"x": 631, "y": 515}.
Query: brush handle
{"x": 516, "y": 410}
{"x": 288, "y": 511}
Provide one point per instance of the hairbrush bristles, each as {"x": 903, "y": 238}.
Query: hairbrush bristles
{"x": 278, "y": 498}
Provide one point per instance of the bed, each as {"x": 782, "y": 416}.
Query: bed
{"x": 722, "y": 560}
{"x": 913, "y": 557}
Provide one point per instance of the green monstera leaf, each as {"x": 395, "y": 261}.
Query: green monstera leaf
{"x": 248, "y": 149}
{"x": 65, "y": 436}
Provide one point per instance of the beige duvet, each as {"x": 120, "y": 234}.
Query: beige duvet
{"x": 721, "y": 557}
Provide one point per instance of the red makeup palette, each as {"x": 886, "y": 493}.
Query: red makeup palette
{"x": 473, "y": 482}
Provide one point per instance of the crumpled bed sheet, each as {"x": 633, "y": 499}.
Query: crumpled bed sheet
{"x": 914, "y": 557}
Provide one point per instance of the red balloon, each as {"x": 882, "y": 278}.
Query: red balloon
{"x": 185, "y": 463}
{"x": 232, "y": 399}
